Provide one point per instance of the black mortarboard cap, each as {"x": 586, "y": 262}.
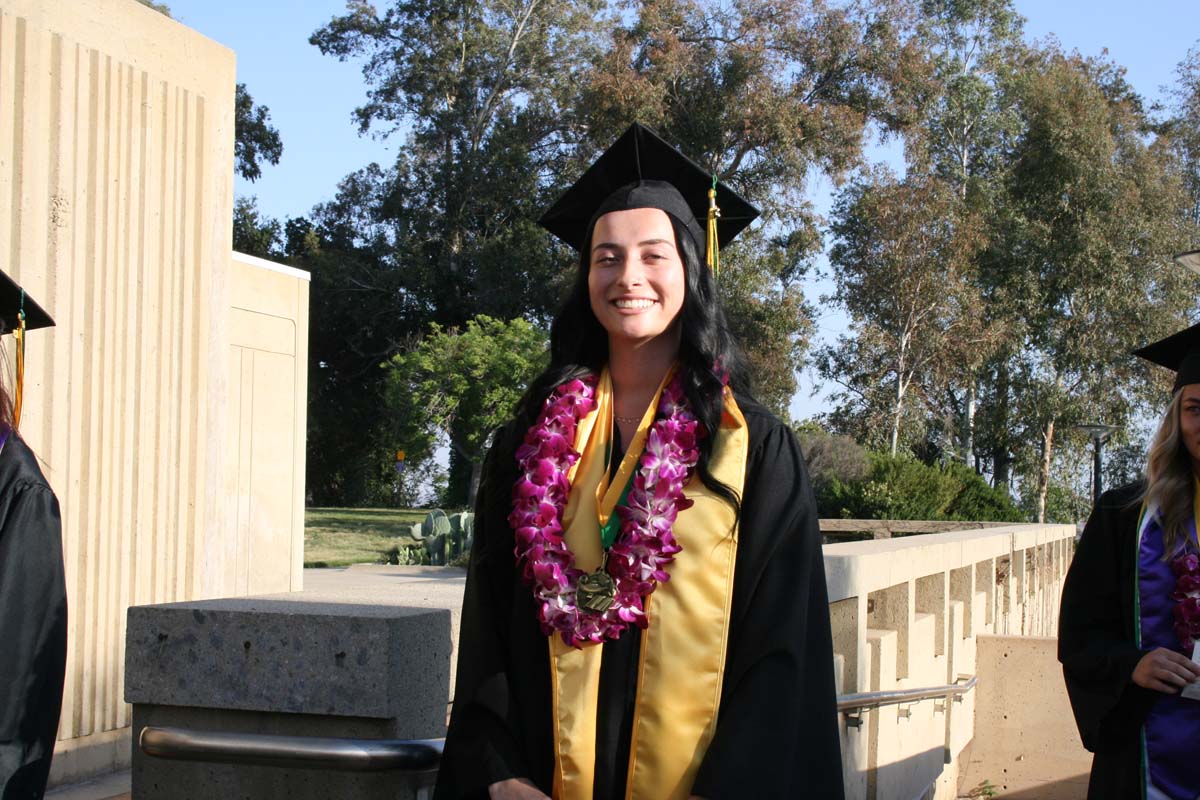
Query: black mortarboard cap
{"x": 1179, "y": 352}
{"x": 12, "y": 300}
{"x": 640, "y": 170}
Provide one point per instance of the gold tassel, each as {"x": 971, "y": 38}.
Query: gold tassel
{"x": 19, "y": 335}
{"x": 713, "y": 255}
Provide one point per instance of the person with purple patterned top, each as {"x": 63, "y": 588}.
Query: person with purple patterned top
{"x": 1130, "y": 615}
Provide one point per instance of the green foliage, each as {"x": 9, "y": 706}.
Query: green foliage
{"x": 253, "y": 233}
{"x": 161, "y": 8}
{"x": 464, "y": 383}
{"x": 832, "y": 457}
{"x": 904, "y": 265}
{"x": 900, "y": 487}
{"x": 409, "y": 555}
{"x": 1090, "y": 211}
{"x": 1063, "y": 503}
{"x": 1182, "y": 132}
{"x": 255, "y": 140}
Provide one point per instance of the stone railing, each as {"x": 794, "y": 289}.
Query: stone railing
{"x": 905, "y": 613}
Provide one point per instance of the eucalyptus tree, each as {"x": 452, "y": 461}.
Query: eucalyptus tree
{"x": 1090, "y": 220}
{"x": 1183, "y": 130}
{"x": 962, "y": 136}
{"x": 903, "y": 264}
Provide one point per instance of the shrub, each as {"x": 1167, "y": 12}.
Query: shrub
{"x": 900, "y": 487}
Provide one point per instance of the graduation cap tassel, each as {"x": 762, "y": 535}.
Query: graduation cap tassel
{"x": 713, "y": 255}
{"x": 19, "y": 335}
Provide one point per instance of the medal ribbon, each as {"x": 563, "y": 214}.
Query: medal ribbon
{"x": 613, "y": 492}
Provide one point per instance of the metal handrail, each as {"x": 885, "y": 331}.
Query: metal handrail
{"x": 864, "y": 701}
{"x": 307, "y": 752}
{"x": 413, "y": 755}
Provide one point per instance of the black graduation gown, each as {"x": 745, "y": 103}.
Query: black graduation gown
{"x": 33, "y": 623}
{"x": 1096, "y": 646}
{"x": 777, "y": 732}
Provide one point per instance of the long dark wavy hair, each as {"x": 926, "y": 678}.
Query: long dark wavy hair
{"x": 579, "y": 345}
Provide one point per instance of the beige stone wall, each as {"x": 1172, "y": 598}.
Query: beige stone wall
{"x": 150, "y": 403}
{"x": 1026, "y": 744}
{"x": 268, "y": 330}
{"x": 907, "y": 613}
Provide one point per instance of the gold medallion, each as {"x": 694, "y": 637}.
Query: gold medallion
{"x": 597, "y": 592}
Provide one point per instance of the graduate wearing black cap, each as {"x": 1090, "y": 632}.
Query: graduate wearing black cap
{"x": 33, "y": 598}
{"x": 645, "y": 613}
{"x": 1131, "y": 609}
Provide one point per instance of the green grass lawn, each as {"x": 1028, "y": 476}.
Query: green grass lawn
{"x": 338, "y": 537}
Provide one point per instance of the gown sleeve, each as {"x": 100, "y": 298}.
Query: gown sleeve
{"x": 1095, "y": 643}
{"x": 481, "y": 742}
{"x": 777, "y": 733}
{"x": 33, "y": 628}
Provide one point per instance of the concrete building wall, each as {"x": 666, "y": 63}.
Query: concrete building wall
{"x": 268, "y": 330}
{"x": 116, "y": 193}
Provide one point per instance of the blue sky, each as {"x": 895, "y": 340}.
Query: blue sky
{"x": 312, "y": 97}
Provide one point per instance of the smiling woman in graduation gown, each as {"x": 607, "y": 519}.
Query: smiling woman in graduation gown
{"x": 33, "y": 599}
{"x": 1125, "y": 658}
{"x": 727, "y": 690}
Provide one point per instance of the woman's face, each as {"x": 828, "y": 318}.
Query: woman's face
{"x": 636, "y": 279}
{"x": 1189, "y": 422}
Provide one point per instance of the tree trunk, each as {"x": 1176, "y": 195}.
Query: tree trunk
{"x": 1044, "y": 472}
{"x": 896, "y": 416}
{"x": 969, "y": 425}
{"x": 1001, "y": 459}
{"x": 473, "y": 486}
{"x": 900, "y": 387}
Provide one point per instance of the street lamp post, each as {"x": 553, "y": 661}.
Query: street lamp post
{"x": 1099, "y": 434}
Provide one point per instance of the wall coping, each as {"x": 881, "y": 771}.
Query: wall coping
{"x": 853, "y": 569}
{"x": 263, "y": 263}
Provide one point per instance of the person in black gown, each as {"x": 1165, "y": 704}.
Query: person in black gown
{"x": 33, "y": 598}
{"x": 1126, "y": 656}
{"x": 725, "y": 688}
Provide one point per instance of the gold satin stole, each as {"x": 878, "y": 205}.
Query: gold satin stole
{"x": 683, "y": 650}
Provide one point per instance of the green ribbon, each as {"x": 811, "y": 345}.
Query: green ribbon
{"x": 610, "y": 529}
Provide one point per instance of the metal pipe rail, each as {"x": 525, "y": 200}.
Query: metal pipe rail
{"x": 305, "y": 752}
{"x": 852, "y": 704}
{"x": 413, "y": 755}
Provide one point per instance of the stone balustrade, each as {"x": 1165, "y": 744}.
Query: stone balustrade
{"x": 905, "y": 613}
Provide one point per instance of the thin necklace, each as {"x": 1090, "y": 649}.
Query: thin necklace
{"x": 627, "y": 420}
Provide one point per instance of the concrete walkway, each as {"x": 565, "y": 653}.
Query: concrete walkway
{"x": 106, "y": 787}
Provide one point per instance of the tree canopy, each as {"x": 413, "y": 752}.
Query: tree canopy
{"x": 994, "y": 283}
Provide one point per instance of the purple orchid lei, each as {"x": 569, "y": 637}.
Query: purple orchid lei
{"x": 1187, "y": 598}
{"x": 645, "y": 547}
